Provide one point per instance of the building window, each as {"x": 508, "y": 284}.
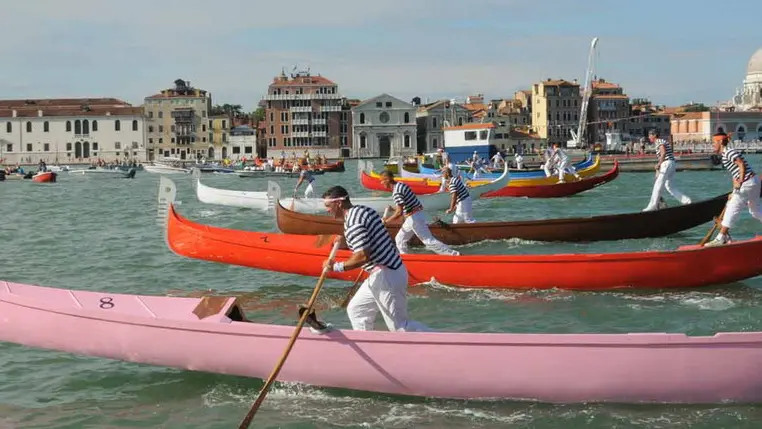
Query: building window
{"x": 8, "y": 127}
{"x": 150, "y": 128}
{"x": 9, "y": 148}
{"x": 117, "y": 125}
{"x": 28, "y": 147}
{"x": 161, "y": 128}
{"x": 46, "y": 126}
{"x": 117, "y": 145}
{"x": 388, "y": 104}
{"x": 407, "y": 140}
{"x": 362, "y": 141}
{"x": 134, "y": 125}
{"x": 77, "y": 127}
{"x": 407, "y": 117}
{"x": 362, "y": 117}
{"x": 46, "y": 147}
{"x": 68, "y": 147}
{"x": 85, "y": 126}
{"x": 379, "y": 104}
{"x": 28, "y": 127}
{"x": 434, "y": 122}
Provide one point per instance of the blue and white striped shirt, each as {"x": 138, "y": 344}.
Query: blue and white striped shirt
{"x": 457, "y": 187}
{"x": 404, "y": 196}
{"x": 307, "y": 176}
{"x": 729, "y": 157}
{"x": 668, "y": 154}
{"x": 559, "y": 157}
{"x": 363, "y": 229}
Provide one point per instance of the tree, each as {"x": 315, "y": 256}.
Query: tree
{"x": 231, "y": 110}
{"x": 259, "y": 114}
{"x": 695, "y": 107}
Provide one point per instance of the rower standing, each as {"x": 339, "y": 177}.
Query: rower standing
{"x": 746, "y": 188}
{"x": 497, "y": 160}
{"x": 306, "y": 176}
{"x": 460, "y": 200}
{"x": 665, "y": 172}
{"x": 408, "y": 205}
{"x": 547, "y": 166}
{"x": 560, "y": 160}
{"x": 372, "y": 248}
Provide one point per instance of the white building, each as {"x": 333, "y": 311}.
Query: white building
{"x": 70, "y": 131}
{"x": 383, "y": 126}
{"x": 241, "y": 144}
{"x": 750, "y": 97}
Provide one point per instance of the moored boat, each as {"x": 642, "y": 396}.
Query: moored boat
{"x": 189, "y": 333}
{"x": 624, "y": 226}
{"x": 106, "y": 172}
{"x": 686, "y": 267}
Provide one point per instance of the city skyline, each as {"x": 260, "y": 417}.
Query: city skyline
{"x": 663, "y": 51}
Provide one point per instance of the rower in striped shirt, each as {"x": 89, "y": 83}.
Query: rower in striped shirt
{"x": 746, "y": 188}
{"x": 306, "y": 176}
{"x": 372, "y": 248}
{"x": 665, "y": 172}
{"x": 409, "y": 207}
{"x": 460, "y": 199}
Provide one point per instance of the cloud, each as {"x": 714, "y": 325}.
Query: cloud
{"x": 429, "y": 48}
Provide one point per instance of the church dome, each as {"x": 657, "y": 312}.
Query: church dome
{"x": 755, "y": 63}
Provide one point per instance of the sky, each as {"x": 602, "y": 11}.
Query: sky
{"x": 671, "y": 52}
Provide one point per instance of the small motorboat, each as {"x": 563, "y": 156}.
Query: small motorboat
{"x": 45, "y": 177}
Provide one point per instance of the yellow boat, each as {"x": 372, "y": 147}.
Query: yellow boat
{"x": 589, "y": 171}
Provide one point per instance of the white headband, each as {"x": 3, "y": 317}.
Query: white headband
{"x": 330, "y": 200}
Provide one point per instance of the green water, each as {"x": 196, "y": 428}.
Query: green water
{"x": 100, "y": 234}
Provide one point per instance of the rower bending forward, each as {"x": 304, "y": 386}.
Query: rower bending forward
{"x": 460, "y": 199}
{"x": 306, "y": 176}
{"x": 385, "y": 289}
{"x": 746, "y": 188}
{"x": 411, "y": 208}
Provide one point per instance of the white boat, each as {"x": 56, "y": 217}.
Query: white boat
{"x": 103, "y": 172}
{"x": 265, "y": 200}
{"x": 168, "y": 166}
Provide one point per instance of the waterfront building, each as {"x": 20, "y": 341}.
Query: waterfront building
{"x": 555, "y": 109}
{"x": 608, "y": 111}
{"x": 242, "y": 144}
{"x": 749, "y": 97}
{"x": 219, "y": 133}
{"x": 306, "y": 112}
{"x": 383, "y": 126}
{"x": 177, "y": 122}
{"x": 72, "y": 130}
{"x": 431, "y": 117}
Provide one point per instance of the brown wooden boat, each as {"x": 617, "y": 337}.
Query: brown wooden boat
{"x": 596, "y": 228}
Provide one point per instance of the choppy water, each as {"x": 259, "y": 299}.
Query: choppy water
{"x": 100, "y": 234}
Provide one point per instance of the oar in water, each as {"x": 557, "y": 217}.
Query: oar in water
{"x": 305, "y": 313}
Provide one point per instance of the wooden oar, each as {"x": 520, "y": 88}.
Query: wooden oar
{"x": 305, "y": 313}
{"x": 293, "y": 200}
{"x": 716, "y": 222}
{"x": 352, "y": 290}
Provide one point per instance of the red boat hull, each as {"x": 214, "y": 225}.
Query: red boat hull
{"x": 558, "y": 190}
{"x": 46, "y": 177}
{"x": 298, "y": 254}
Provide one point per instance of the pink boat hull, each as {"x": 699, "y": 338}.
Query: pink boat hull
{"x": 650, "y": 367}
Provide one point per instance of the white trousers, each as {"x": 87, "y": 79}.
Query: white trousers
{"x": 309, "y": 191}
{"x": 385, "y": 290}
{"x": 519, "y": 162}
{"x": 463, "y": 211}
{"x": 747, "y": 196}
{"x": 664, "y": 181}
{"x": 562, "y": 167}
{"x": 548, "y": 167}
{"x": 416, "y": 225}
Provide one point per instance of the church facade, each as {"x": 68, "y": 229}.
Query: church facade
{"x": 750, "y": 96}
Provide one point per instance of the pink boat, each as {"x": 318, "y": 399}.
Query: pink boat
{"x": 198, "y": 334}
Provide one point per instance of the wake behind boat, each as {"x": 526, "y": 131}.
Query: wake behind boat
{"x": 189, "y": 333}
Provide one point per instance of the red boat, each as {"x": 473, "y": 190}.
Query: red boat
{"x": 557, "y": 190}
{"x": 686, "y": 267}
{"x": 44, "y": 177}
